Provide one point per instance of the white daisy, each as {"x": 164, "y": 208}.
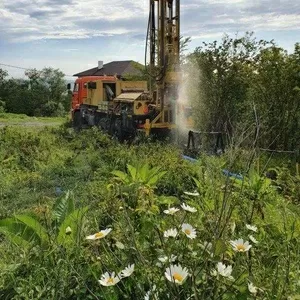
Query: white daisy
{"x": 251, "y": 227}
{"x": 252, "y": 239}
{"x": 188, "y": 208}
{"x": 99, "y": 235}
{"x": 252, "y": 289}
{"x": 240, "y": 246}
{"x": 108, "y": 279}
{"x": 224, "y": 270}
{"x": 127, "y": 271}
{"x": 171, "y": 211}
{"x": 170, "y": 233}
{"x": 176, "y": 274}
{"x": 152, "y": 293}
{"x": 188, "y": 230}
{"x": 194, "y": 194}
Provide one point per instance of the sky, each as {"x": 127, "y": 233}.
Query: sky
{"x": 73, "y": 35}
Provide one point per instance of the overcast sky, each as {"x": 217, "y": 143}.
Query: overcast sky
{"x": 74, "y": 34}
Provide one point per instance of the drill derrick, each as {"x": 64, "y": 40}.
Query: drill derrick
{"x": 164, "y": 27}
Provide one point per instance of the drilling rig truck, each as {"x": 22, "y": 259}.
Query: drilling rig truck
{"x": 123, "y": 108}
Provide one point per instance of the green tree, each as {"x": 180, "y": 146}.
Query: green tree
{"x": 225, "y": 72}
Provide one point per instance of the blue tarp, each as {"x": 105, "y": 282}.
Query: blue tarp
{"x": 225, "y": 172}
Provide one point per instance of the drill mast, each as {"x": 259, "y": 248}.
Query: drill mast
{"x": 164, "y": 35}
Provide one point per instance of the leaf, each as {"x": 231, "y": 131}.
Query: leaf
{"x": 74, "y": 221}
{"x": 121, "y": 175}
{"x": 15, "y": 238}
{"x": 18, "y": 232}
{"x": 219, "y": 247}
{"x": 63, "y": 207}
{"x": 35, "y": 226}
{"x": 133, "y": 172}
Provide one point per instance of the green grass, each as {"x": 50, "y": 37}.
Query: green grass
{"x": 127, "y": 188}
{"x": 13, "y": 119}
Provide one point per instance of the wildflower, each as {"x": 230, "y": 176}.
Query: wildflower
{"x": 240, "y": 246}
{"x": 170, "y": 233}
{"x": 252, "y": 239}
{"x": 251, "y": 227}
{"x": 176, "y": 274}
{"x": 68, "y": 230}
{"x": 194, "y": 194}
{"x": 164, "y": 259}
{"x": 127, "y": 271}
{"x": 99, "y": 235}
{"x": 252, "y": 289}
{"x": 151, "y": 292}
{"x": 171, "y": 211}
{"x": 188, "y": 208}
{"x": 188, "y": 230}
{"x": 224, "y": 270}
{"x": 108, "y": 279}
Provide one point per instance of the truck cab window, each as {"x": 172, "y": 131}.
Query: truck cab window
{"x": 76, "y": 87}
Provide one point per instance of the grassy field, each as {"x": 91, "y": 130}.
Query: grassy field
{"x": 167, "y": 228}
{"x": 19, "y": 119}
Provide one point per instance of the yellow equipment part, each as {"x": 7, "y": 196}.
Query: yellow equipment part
{"x": 96, "y": 96}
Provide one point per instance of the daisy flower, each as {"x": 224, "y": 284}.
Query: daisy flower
{"x": 252, "y": 239}
{"x": 176, "y": 274}
{"x": 194, "y": 194}
{"x": 127, "y": 271}
{"x": 188, "y": 230}
{"x": 108, "y": 279}
{"x": 224, "y": 270}
{"x": 252, "y": 289}
{"x": 99, "y": 235}
{"x": 240, "y": 246}
{"x": 188, "y": 208}
{"x": 251, "y": 227}
{"x": 171, "y": 211}
{"x": 170, "y": 233}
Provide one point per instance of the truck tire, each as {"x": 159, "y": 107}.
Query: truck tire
{"x": 77, "y": 120}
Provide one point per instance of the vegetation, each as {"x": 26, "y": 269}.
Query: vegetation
{"x": 42, "y": 94}
{"x": 77, "y": 207}
{"x": 245, "y": 86}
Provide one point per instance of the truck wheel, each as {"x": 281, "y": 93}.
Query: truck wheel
{"x": 77, "y": 121}
{"x": 117, "y": 132}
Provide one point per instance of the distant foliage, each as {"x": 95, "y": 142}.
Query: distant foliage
{"x": 42, "y": 94}
{"x": 245, "y": 85}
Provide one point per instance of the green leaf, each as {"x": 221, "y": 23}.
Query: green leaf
{"x": 121, "y": 175}
{"x": 35, "y": 226}
{"x": 63, "y": 207}
{"x": 219, "y": 247}
{"x": 133, "y": 172}
{"x": 74, "y": 221}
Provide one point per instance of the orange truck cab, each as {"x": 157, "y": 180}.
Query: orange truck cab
{"x": 80, "y": 90}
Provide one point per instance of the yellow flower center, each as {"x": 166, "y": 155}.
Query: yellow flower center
{"x": 177, "y": 277}
{"x": 110, "y": 280}
{"x": 99, "y": 235}
{"x": 187, "y": 231}
{"x": 241, "y": 247}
